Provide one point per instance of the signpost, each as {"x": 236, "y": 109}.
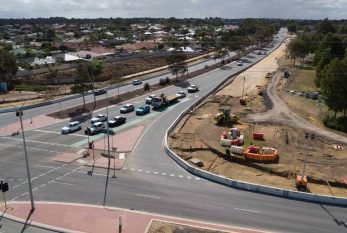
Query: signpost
{"x": 4, "y": 189}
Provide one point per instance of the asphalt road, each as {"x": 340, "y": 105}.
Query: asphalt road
{"x": 151, "y": 181}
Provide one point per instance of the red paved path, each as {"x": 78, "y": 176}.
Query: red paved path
{"x": 30, "y": 124}
{"x": 88, "y": 218}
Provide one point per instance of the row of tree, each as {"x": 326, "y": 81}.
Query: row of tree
{"x": 328, "y": 43}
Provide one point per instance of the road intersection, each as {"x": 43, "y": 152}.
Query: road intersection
{"x": 150, "y": 180}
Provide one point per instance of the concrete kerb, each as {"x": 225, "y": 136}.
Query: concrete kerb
{"x": 244, "y": 185}
{"x": 37, "y": 225}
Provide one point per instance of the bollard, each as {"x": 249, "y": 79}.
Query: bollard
{"x": 120, "y": 224}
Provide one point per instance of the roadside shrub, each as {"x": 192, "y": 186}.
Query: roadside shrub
{"x": 162, "y": 82}
{"x": 146, "y": 87}
{"x": 26, "y": 87}
{"x": 339, "y": 123}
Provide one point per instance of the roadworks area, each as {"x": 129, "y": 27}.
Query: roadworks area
{"x": 198, "y": 135}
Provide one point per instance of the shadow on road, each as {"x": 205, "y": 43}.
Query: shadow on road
{"x": 337, "y": 221}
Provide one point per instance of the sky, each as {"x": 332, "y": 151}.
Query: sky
{"x": 287, "y": 9}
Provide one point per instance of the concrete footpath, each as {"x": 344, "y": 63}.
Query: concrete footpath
{"x": 68, "y": 217}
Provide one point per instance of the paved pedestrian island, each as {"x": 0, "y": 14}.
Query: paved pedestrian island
{"x": 66, "y": 217}
{"x": 124, "y": 141}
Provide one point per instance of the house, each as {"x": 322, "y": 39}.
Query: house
{"x": 43, "y": 61}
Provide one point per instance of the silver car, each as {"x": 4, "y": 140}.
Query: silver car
{"x": 71, "y": 127}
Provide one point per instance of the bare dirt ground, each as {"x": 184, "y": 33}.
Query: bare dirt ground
{"x": 164, "y": 227}
{"x": 198, "y": 136}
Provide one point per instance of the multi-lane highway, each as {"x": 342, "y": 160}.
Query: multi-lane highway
{"x": 150, "y": 180}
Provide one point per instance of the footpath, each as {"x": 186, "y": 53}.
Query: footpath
{"x": 68, "y": 217}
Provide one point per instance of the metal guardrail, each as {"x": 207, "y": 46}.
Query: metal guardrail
{"x": 239, "y": 184}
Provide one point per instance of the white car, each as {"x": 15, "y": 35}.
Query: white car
{"x": 149, "y": 99}
{"x": 95, "y": 128}
{"x": 181, "y": 94}
{"x": 102, "y": 117}
{"x": 239, "y": 63}
{"x": 98, "y": 118}
{"x": 193, "y": 88}
{"x": 71, "y": 127}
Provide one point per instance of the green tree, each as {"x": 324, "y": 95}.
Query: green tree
{"x": 292, "y": 26}
{"x": 177, "y": 62}
{"x": 8, "y": 66}
{"x": 325, "y": 27}
{"x": 334, "y": 85}
{"x": 81, "y": 81}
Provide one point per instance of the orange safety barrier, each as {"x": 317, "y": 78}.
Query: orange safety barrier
{"x": 261, "y": 154}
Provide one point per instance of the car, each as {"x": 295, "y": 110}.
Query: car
{"x": 127, "y": 108}
{"x": 181, "y": 94}
{"x": 95, "y": 128}
{"x": 137, "y": 82}
{"x": 149, "y": 99}
{"x": 116, "y": 121}
{"x": 94, "y": 120}
{"x": 102, "y": 117}
{"x": 71, "y": 127}
{"x": 259, "y": 52}
{"x": 144, "y": 109}
{"x": 193, "y": 88}
{"x": 239, "y": 63}
{"x": 100, "y": 92}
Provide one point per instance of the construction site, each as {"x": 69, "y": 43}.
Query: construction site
{"x": 259, "y": 130}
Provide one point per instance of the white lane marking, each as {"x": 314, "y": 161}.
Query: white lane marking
{"x": 148, "y": 172}
{"x": 164, "y": 174}
{"x": 172, "y": 175}
{"x": 139, "y": 170}
{"x": 155, "y": 173}
{"x": 29, "y": 148}
{"x": 39, "y": 142}
{"x": 149, "y": 196}
{"x": 253, "y": 211}
{"x": 57, "y": 182}
{"x": 189, "y": 177}
{"x": 52, "y": 132}
{"x": 180, "y": 176}
{"x": 44, "y": 166}
{"x": 15, "y": 186}
{"x": 197, "y": 178}
{"x": 121, "y": 156}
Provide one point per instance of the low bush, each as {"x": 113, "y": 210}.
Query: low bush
{"x": 26, "y": 87}
{"x": 339, "y": 123}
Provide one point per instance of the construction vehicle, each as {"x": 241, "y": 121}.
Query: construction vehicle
{"x": 163, "y": 100}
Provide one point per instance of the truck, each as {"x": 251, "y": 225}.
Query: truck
{"x": 163, "y": 100}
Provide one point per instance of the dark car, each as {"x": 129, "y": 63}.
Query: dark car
{"x": 116, "y": 121}
{"x": 193, "y": 88}
{"x": 127, "y": 108}
{"x": 100, "y": 92}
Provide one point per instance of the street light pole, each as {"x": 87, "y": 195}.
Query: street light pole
{"x": 109, "y": 152}
{"x": 20, "y": 113}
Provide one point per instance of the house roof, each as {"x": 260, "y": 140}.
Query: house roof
{"x": 70, "y": 57}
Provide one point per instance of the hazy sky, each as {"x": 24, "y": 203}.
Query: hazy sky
{"x": 297, "y": 9}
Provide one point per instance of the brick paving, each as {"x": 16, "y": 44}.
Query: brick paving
{"x": 96, "y": 219}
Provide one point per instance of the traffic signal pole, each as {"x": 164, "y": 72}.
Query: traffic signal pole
{"x": 20, "y": 113}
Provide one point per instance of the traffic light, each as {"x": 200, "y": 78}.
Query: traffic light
{"x": 3, "y": 186}
{"x": 19, "y": 113}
